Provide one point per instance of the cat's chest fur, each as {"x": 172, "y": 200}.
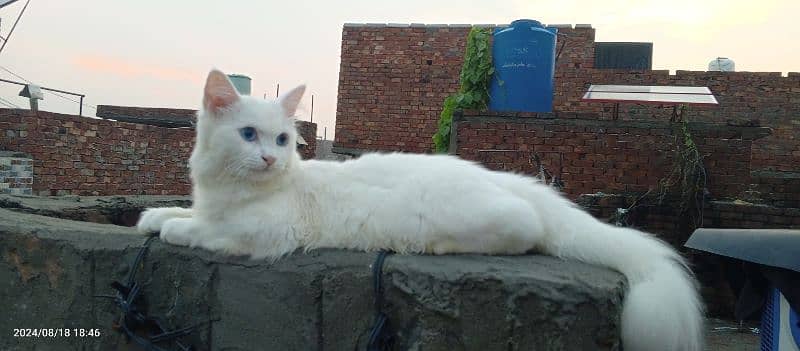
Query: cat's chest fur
{"x": 275, "y": 214}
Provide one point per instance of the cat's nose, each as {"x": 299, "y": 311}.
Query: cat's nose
{"x": 269, "y": 160}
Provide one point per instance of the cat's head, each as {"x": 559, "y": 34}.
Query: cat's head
{"x": 243, "y": 138}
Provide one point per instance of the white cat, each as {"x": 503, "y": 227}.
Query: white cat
{"x": 254, "y": 196}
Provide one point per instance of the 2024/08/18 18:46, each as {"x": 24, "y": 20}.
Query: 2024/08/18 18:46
{"x": 56, "y": 333}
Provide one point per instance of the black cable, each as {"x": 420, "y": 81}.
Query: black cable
{"x": 130, "y": 300}
{"x": 380, "y": 338}
{"x": 562, "y": 46}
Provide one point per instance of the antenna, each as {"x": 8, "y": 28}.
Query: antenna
{"x": 312, "y": 108}
{"x": 3, "y": 3}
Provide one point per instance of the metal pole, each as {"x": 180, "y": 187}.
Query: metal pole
{"x": 312, "y": 108}
{"x": 325, "y": 133}
{"x": 278, "y": 91}
{"x": 15, "y": 25}
{"x": 80, "y": 109}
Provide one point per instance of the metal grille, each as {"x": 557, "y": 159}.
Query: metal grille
{"x": 769, "y": 321}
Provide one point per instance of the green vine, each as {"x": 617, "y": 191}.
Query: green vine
{"x": 687, "y": 179}
{"x": 685, "y": 182}
{"x": 474, "y": 91}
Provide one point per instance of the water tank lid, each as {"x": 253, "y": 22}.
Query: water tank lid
{"x": 526, "y": 22}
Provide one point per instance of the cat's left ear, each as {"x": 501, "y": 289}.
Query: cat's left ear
{"x": 291, "y": 100}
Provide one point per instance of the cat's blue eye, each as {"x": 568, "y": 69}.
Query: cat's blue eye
{"x": 282, "y": 139}
{"x": 248, "y": 133}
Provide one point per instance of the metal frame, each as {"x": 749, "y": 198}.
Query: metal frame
{"x": 80, "y": 108}
{"x": 674, "y": 92}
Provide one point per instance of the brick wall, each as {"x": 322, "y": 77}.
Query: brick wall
{"x": 663, "y": 220}
{"x": 780, "y": 189}
{"x": 176, "y": 117}
{"x": 592, "y": 155}
{"x": 308, "y": 131}
{"x": 754, "y": 98}
{"x": 16, "y": 173}
{"x": 86, "y": 156}
{"x": 393, "y": 80}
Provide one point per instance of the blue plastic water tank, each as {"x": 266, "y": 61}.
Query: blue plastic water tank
{"x": 524, "y": 55}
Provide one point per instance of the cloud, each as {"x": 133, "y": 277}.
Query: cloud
{"x": 131, "y": 69}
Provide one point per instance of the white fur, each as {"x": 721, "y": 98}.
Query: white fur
{"x": 410, "y": 204}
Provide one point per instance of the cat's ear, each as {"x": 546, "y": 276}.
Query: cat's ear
{"x": 290, "y": 100}
{"x": 219, "y": 92}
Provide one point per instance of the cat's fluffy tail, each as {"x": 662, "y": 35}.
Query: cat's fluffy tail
{"x": 661, "y": 310}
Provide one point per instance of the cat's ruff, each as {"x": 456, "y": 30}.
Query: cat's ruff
{"x": 406, "y": 203}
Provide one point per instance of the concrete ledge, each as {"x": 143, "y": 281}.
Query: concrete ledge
{"x": 161, "y": 117}
{"x": 119, "y": 210}
{"x": 51, "y": 268}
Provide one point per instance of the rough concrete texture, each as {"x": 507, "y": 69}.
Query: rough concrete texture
{"x": 119, "y": 210}
{"x": 51, "y": 268}
{"x": 725, "y": 335}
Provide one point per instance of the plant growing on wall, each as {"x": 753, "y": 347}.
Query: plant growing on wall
{"x": 474, "y": 90}
{"x": 684, "y": 183}
{"x": 687, "y": 178}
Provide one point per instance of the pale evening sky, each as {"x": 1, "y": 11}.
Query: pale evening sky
{"x": 156, "y": 53}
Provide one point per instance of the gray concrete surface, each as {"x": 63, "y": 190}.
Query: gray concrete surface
{"x": 119, "y": 210}
{"x": 51, "y": 268}
{"x": 722, "y": 335}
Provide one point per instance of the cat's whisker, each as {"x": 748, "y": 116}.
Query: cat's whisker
{"x": 233, "y": 169}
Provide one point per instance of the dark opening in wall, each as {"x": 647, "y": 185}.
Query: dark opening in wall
{"x": 623, "y": 55}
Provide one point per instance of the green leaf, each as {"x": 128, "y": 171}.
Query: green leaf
{"x": 477, "y": 72}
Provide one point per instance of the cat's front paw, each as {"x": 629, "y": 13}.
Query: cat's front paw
{"x": 152, "y": 220}
{"x": 176, "y": 231}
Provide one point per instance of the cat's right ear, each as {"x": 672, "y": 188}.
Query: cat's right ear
{"x": 219, "y": 92}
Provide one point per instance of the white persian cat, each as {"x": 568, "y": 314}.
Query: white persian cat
{"x": 254, "y": 196}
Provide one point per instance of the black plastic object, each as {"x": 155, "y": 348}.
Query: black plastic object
{"x": 769, "y": 247}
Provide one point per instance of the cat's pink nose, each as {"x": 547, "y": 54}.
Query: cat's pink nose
{"x": 269, "y": 160}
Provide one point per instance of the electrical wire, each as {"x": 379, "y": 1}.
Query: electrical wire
{"x": 7, "y": 103}
{"x": 47, "y": 91}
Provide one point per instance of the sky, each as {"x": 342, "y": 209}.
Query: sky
{"x": 157, "y": 53}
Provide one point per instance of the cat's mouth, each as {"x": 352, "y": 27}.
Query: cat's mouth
{"x": 265, "y": 168}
